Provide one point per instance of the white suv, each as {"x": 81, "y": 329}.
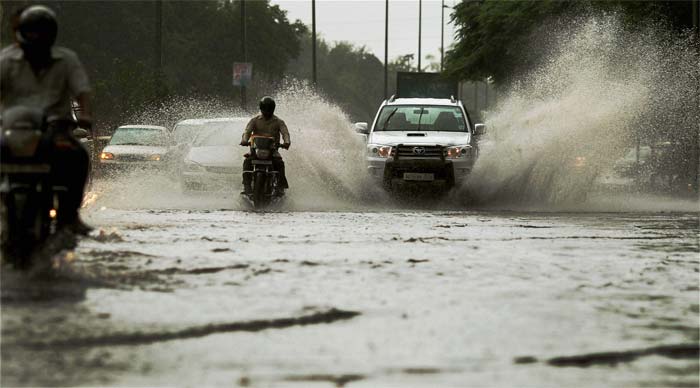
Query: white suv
{"x": 421, "y": 141}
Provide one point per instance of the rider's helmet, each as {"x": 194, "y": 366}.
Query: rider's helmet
{"x": 267, "y": 106}
{"x": 37, "y": 27}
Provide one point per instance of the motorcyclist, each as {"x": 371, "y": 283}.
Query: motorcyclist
{"x": 268, "y": 125}
{"x": 35, "y": 73}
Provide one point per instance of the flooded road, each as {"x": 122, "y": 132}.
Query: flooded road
{"x": 225, "y": 297}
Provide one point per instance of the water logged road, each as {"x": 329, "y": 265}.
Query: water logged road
{"x": 224, "y": 297}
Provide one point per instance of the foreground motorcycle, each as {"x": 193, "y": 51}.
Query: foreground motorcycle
{"x": 266, "y": 180}
{"x": 29, "y": 202}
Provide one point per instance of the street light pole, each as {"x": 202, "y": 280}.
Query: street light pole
{"x": 313, "y": 41}
{"x": 159, "y": 48}
{"x": 442, "y": 36}
{"x": 243, "y": 50}
{"x": 420, "y": 11}
{"x": 386, "y": 49}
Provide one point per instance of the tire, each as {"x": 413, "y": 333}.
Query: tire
{"x": 259, "y": 189}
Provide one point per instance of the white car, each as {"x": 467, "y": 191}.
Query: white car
{"x": 214, "y": 161}
{"x": 421, "y": 141}
{"x": 136, "y": 146}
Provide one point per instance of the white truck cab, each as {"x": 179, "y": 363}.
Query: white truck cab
{"x": 421, "y": 141}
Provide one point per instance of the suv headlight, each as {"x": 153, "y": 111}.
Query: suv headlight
{"x": 456, "y": 152}
{"x": 380, "y": 151}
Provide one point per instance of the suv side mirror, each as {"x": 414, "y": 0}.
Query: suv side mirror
{"x": 361, "y": 127}
{"x": 479, "y": 129}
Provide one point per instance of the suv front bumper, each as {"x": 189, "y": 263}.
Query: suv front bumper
{"x": 449, "y": 172}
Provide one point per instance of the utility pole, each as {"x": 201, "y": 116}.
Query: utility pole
{"x": 159, "y": 48}
{"x": 313, "y": 41}
{"x": 442, "y": 36}
{"x": 420, "y": 19}
{"x": 386, "y": 49}
{"x": 243, "y": 50}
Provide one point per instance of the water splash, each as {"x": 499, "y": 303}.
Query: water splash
{"x": 564, "y": 124}
{"x": 325, "y": 165}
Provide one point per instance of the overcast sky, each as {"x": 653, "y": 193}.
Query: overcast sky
{"x": 361, "y": 22}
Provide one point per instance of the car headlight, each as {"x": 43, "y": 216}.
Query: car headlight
{"x": 106, "y": 156}
{"x": 156, "y": 157}
{"x": 456, "y": 152}
{"x": 191, "y": 166}
{"x": 380, "y": 151}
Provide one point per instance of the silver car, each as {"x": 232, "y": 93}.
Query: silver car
{"x": 215, "y": 158}
{"x": 136, "y": 147}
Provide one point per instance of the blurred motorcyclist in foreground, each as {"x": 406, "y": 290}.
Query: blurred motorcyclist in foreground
{"x": 265, "y": 124}
{"x": 35, "y": 73}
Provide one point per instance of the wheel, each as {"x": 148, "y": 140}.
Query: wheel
{"x": 259, "y": 189}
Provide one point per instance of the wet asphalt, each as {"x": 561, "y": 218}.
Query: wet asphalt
{"x": 230, "y": 297}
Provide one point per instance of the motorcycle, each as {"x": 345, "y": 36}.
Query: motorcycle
{"x": 29, "y": 202}
{"x": 266, "y": 180}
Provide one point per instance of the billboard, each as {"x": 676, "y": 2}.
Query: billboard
{"x": 242, "y": 73}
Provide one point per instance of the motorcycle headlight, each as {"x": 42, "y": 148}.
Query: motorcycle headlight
{"x": 380, "y": 151}
{"x": 456, "y": 152}
{"x": 156, "y": 157}
{"x": 191, "y": 166}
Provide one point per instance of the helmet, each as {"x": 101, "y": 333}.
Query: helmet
{"x": 37, "y": 27}
{"x": 267, "y": 106}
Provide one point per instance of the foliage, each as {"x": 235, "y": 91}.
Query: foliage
{"x": 492, "y": 35}
{"x": 116, "y": 40}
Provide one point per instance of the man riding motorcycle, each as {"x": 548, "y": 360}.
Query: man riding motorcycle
{"x": 35, "y": 73}
{"x": 266, "y": 124}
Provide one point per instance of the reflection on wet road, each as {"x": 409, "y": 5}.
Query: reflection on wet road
{"x": 404, "y": 298}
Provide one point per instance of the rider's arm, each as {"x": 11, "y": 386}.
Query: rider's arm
{"x": 248, "y": 130}
{"x": 79, "y": 86}
{"x": 85, "y": 117}
{"x": 285, "y": 132}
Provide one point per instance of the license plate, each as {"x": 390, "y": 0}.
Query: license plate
{"x": 263, "y": 162}
{"x": 418, "y": 176}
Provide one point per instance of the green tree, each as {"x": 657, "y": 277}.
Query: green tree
{"x": 492, "y": 35}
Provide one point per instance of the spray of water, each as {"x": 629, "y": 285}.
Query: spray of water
{"x": 550, "y": 137}
{"x": 325, "y": 164}
{"x": 556, "y": 131}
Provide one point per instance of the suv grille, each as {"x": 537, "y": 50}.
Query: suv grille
{"x": 433, "y": 151}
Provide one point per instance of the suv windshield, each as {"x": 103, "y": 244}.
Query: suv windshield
{"x": 421, "y": 118}
{"x": 139, "y": 136}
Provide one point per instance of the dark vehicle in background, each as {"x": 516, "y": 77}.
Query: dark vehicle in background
{"x": 29, "y": 202}
{"x": 213, "y": 159}
{"x": 266, "y": 180}
{"x": 136, "y": 147}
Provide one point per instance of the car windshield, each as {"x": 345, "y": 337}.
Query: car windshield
{"x": 185, "y": 133}
{"x": 421, "y": 118}
{"x": 220, "y": 134}
{"x": 139, "y": 136}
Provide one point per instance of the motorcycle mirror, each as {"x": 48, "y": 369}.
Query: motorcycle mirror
{"x": 80, "y": 133}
